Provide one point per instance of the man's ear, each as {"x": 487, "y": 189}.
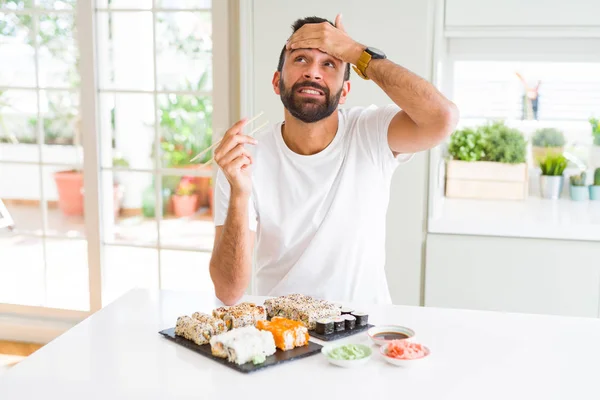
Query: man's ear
{"x": 345, "y": 91}
{"x": 276, "y": 77}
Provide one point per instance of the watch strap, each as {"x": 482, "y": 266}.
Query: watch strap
{"x": 362, "y": 64}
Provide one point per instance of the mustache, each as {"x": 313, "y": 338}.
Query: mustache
{"x": 310, "y": 84}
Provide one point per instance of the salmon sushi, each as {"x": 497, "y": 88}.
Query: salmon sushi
{"x": 287, "y": 333}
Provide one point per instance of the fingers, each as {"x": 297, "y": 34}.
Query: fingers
{"x": 240, "y": 163}
{"x": 235, "y": 128}
{"x": 338, "y": 23}
{"x": 236, "y": 152}
{"x": 228, "y": 143}
{"x": 308, "y": 31}
{"x": 307, "y": 44}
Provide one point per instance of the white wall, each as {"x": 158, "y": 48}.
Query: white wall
{"x": 401, "y": 28}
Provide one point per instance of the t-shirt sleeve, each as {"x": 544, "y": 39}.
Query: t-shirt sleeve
{"x": 221, "y": 202}
{"x": 373, "y": 123}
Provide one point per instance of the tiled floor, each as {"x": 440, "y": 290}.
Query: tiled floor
{"x": 63, "y": 282}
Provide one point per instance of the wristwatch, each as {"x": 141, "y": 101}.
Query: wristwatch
{"x": 365, "y": 58}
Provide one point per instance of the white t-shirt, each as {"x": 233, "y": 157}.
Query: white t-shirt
{"x": 320, "y": 219}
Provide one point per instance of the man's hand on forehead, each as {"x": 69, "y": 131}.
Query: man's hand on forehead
{"x": 328, "y": 39}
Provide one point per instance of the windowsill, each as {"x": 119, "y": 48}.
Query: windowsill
{"x": 532, "y": 218}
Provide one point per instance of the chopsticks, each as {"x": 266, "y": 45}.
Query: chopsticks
{"x": 219, "y": 141}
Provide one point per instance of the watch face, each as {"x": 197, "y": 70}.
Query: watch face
{"x": 375, "y": 53}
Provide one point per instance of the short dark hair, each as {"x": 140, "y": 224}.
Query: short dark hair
{"x": 299, "y": 23}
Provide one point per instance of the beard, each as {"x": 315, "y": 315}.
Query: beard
{"x": 308, "y": 110}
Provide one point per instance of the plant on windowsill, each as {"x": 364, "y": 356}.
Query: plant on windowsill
{"x": 595, "y": 186}
{"x": 499, "y": 172}
{"x": 578, "y": 190}
{"x": 185, "y": 201}
{"x": 546, "y": 141}
{"x": 551, "y": 180}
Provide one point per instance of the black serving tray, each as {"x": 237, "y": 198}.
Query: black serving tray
{"x": 279, "y": 357}
{"x": 340, "y": 334}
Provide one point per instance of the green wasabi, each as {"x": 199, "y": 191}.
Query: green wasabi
{"x": 350, "y": 352}
{"x": 259, "y": 359}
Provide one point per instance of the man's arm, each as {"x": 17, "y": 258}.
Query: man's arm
{"x": 231, "y": 261}
{"x": 426, "y": 118}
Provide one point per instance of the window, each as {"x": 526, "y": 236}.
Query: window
{"x": 152, "y": 104}
{"x": 488, "y": 77}
{"x": 156, "y": 109}
{"x": 568, "y": 96}
{"x": 44, "y": 258}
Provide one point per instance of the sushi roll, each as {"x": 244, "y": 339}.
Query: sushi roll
{"x": 347, "y": 310}
{"x": 243, "y": 345}
{"x": 324, "y": 326}
{"x": 339, "y": 324}
{"x": 287, "y": 333}
{"x": 243, "y": 314}
{"x": 301, "y": 308}
{"x": 217, "y": 324}
{"x": 350, "y": 322}
{"x": 362, "y": 318}
{"x": 194, "y": 330}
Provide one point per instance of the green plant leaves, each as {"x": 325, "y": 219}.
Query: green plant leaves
{"x": 467, "y": 145}
{"x": 548, "y": 137}
{"x": 492, "y": 142}
{"x": 553, "y": 164}
{"x": 504, "y": 144}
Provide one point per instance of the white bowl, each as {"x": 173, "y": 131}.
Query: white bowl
{"x": 347, "y": 363}
{"x": 391, "y": 329}
{"x": 401, "y": 362}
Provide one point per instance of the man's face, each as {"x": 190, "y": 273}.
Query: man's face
{"x": 311, "y": 84}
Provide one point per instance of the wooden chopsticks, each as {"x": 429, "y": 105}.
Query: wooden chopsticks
{"x": 219, "y": 141}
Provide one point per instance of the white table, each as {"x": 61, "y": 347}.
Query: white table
{"x": 118, "y": 354}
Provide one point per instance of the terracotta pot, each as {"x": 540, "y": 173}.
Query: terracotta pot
{"x": 184, "y": 206}
{"x": 202, "y": 184}
{"x": 69, "y": 185}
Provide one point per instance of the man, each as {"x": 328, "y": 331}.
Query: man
{"x": 314, "y": 194}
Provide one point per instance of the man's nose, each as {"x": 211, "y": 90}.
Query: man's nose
{"x": 313, "y": 71}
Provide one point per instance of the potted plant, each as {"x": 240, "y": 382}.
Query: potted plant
{"x": 186, "y": 130}
{"x": 578, "y": 190}
{"x": 551, "y": 180}
{"x": 487, "y": 163}
{"x": 69, "y": 185}
{"x": 595, "y": 186}
{"x": 185, "y": 201}
{"x": 545, "y": 141}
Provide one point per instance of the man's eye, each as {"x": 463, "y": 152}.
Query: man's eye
{"x": 330, "y": 64}
{"x": 300, "y": 59}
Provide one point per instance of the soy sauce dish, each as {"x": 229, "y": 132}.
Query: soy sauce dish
{"x": 347, "y": 355}
{"x": 383, "y": 334}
